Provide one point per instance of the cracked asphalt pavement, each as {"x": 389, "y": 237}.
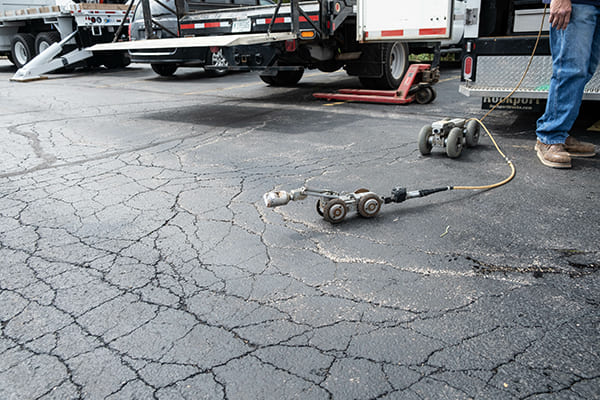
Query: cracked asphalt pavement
{"x": 138, "y": 261}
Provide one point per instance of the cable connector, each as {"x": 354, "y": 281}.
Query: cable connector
{"x": 398, "y": 195}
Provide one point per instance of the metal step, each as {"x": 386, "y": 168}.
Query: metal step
{"x": 499, "y": 75}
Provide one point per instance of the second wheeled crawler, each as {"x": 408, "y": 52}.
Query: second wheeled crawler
{"x": 453, "y": 134}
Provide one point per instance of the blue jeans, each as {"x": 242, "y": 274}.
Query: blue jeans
{"x": 575, "y": 56}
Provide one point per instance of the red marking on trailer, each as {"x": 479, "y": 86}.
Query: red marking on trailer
{"x": 398, "y": 32}
{"x": 311, "y": 17}
{"x": 279, "y": 20}
{"x": 221, "y": 24}
{"x": 432, "y": 31}
{"x": 410, "y": 32}
{"x": 391, "y": 33}
{"x": 284, "y": 20}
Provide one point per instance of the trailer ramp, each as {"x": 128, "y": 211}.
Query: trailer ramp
{"x": 198, "y": 41}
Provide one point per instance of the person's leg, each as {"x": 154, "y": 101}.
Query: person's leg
{"x": 572, "y": 61}
{"x": 574, "y": 147}
{"x": 595, "y": 54}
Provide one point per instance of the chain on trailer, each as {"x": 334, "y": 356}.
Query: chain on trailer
{"x": 334, "y": 206}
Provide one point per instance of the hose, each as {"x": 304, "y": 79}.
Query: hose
{"x": 513, "y": 170}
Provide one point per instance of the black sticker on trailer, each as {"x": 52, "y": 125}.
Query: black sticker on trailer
{"x": 538, "y": 105}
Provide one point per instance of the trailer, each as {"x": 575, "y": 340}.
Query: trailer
{"x": 367, "y": 38}
{"x": 500, "y": 37}
{"x": 30, "y": 27}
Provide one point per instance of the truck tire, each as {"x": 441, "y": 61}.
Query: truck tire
{"x": 283, "y": 78}
{"x": 329, "y": 66}
{"x": 116, "y": 60}
{"x": 44, "y": 40}
{"x": 22, "y": 47}
{"x": 394, "y": 57}
{"x": 164, "y": 69}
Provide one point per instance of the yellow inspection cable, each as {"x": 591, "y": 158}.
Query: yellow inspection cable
{"x": 480, "y": 121}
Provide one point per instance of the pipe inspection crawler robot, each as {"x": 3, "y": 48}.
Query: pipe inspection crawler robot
{"x": 334, "y": 206}
{"x": 453, "y": 134}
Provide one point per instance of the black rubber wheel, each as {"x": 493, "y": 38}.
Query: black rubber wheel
{"x": 22, "y": 47}
{"x": 472, "y": 133}
{"x": 164, "y": 69}
{"x": 320, "y": 206}
{"x": 116, "y": 60}
{"x": 369, "y": 205}
{"x": 45, "y": 39}
{"x": 283, "y": 78}
{"x": 329, "y": 66}
{"x": 9, "y": 56}
{"x": 335, "y": 211}
{"x": 394, "y": 57}
{"x": 424, "y": 140}
{"x": 454, "y": 143}
{"x": 268, "y": 79}
{"x": 425, "y": 95}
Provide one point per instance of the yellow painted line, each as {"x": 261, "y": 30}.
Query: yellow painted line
{"x": 245, "y": 85}
{"x": 449, "y": 79}
{"x": 595, "y": 127}
{"x": 120, "y": 84}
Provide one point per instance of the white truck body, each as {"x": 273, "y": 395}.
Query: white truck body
{"x": 384, "y": 20}
{"x": 368, "y": 38}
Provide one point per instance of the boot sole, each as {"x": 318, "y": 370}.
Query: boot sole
{"x": 582, "y": 154}
{"x": 590, "y": 154}
{"x": 551, "y": 163}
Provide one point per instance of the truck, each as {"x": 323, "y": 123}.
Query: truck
{"x": 165, "y": 23}
{"x": 500, "y": 37}
{"x": 368, "y": 38}
{"x": 28, "y": 27}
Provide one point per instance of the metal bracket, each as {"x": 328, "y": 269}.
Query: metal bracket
{"x": 471, "y": 16}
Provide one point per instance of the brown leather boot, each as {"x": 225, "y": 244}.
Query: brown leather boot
{"x": 575, "y": 148}
{"x": 553, "y": 155}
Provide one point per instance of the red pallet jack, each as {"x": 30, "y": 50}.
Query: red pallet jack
{"x": 416, "y": 86}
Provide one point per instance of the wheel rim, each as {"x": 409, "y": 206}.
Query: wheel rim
{"x": 369, "y": 206}
{"x": 334, "y": 211}
{"x": 337, "y": 212}
{"x": 43, "y": 46}
{"x": 20, "y": 53}
{"x": 397, "y": 61}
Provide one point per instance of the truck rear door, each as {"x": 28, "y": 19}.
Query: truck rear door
{"x": 389, "y": 20}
